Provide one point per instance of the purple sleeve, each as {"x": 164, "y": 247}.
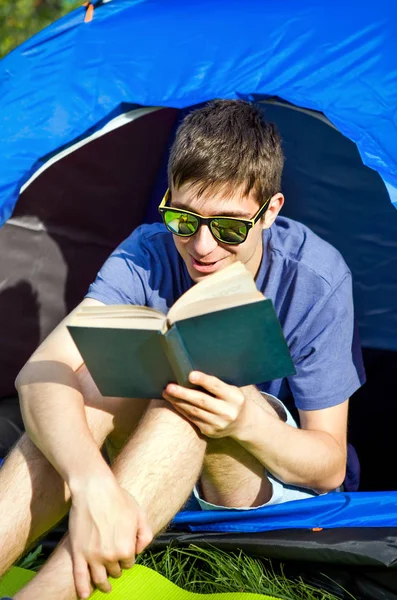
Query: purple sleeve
{"x": 328, "y": 362}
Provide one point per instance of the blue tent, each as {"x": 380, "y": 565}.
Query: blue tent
{"x": 92, "y": 72}
{"x": 71, "y": 78}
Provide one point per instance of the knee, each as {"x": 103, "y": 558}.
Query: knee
{"x": 225, "y": 454}
{"x": 223, "y": 445}
{"x": 87, "y": 386}
{"x": 26, "y": 449}
{"x": 10, "y": 433}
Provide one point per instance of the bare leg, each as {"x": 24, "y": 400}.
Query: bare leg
{"x": 159, "y": 466}
{"x": 54, "y": 580}
{"x": 231, "y": 476}
{"x": 33, "y": 497}
{"x": 161, "y": 463}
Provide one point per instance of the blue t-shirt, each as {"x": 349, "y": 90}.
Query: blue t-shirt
{"x": 306, "y": 278}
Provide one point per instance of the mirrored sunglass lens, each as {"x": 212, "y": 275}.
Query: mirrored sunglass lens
{"x": 228, "y": 231}
{"x": 180, "y": 223}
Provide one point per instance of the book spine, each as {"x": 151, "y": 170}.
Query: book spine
{"x": 178, "y": 356}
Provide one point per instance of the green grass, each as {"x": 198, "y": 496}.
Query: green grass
{"x": 33, "y": 560}
{"x": 206, "y": 570}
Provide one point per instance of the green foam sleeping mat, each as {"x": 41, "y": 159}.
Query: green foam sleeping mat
{"x": 139, "y": 583}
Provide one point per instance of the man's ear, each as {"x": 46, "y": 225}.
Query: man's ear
{"x": 275, "y": 205}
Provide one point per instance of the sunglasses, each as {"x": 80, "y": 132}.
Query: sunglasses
{"x": 228, "y": 230}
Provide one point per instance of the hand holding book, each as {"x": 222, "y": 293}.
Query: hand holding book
{"x": 215, "y": 408}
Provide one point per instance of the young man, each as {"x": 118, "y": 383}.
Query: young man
{"x": 235, "y": 447}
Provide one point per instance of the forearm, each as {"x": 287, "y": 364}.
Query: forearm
{"x": 161, "y": 463}
{"x": 298, "y": 457}
{"x": 52, "y": 407}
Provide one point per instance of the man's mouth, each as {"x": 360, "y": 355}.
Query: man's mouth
{"x": 204, "y": 266}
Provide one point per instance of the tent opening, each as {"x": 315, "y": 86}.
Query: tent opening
{"x": 85, "y": 201}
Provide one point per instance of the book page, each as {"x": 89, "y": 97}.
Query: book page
{"x": 118, "y": 310}
{"x": 195, "y": 309}
{"x": 233, "y": 281}
{"x": 116, "y": 323}
{"x": 119, "y": 316}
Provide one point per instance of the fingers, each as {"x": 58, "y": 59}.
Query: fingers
{"x": 127, "y": 564}
{"x": 179, "y": 395}
{"x": 217, "y": 410}
{"x": 96, "y": 574}
{"x": 213, "y": 385}
{"x": 127, "y": 558}
{"x": 113, "y": 569}
{"x": 82, "y": 577}
{"x": 104, "y": 538}
{"x": 127, "y": 550}
{"x": 190, "y": 409}
{"x": 225, "y": 395}
{"x": 209, "y": 398}
{"x": 208, "y": 425}
{"x": 99, "y": 578}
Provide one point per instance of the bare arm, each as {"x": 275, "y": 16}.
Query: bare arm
{"x": 159, "y": 466}
{"x": 105, "y": 523}
{"x": 313, "y": 457}
{"x": 53, "y": 408}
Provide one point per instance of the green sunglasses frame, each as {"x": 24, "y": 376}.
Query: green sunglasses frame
{"x": 207, "y": 220}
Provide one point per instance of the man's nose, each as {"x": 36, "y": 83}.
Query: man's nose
{"x": 203, "y": 241}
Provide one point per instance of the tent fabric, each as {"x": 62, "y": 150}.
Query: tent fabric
{"x": 357, "y": 509}
{"x": 369, "y": 547}
{"x": 73, "y": 77}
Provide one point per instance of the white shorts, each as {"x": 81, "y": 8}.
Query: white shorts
{"x": 281, "y": 491}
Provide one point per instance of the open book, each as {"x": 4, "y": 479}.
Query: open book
{"x": 222, "y": 326}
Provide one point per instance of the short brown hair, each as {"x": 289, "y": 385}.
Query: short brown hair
{"x": 227, "y": 143}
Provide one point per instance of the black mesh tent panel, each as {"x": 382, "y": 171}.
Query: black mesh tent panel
{"x": 65, "y": 225}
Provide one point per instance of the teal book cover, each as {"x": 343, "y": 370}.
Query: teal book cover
{"x": 241, "y": 345}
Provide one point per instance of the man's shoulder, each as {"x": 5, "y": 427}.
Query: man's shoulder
{"x": 306, "y": 251}
{"x": 144, "y": 269}
{"x": 151, "y": 236}
{"x": 149, "y": 246}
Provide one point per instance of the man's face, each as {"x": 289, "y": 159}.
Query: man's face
{"x": 201, "y": 252}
